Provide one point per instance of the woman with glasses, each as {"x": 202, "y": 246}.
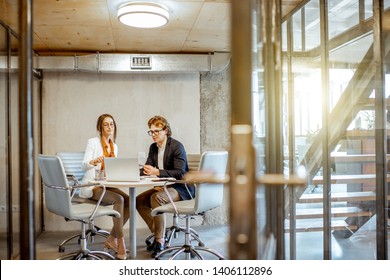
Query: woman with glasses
{"x": 97, "y": 149}
{"x": 167, "y": 158}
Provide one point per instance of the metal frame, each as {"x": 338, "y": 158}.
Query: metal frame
{"x": 380, "y": 134}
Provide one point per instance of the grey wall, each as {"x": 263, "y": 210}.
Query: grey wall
{"x": 197, "y": 106}
{"x": 72, "y": 103}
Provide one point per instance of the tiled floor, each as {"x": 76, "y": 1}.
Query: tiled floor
{"x": 309, "y": 245}
{"x": 213, "y": 236}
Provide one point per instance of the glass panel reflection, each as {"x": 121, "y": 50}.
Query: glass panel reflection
{"x": 3, "y": 145}
{"x": 351, "y": 133}
{"x": 14, "y": 151}
{"x": 342, "y": 16}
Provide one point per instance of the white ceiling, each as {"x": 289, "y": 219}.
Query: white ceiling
{"x": 85, "y": 26}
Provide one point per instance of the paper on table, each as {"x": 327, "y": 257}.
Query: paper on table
{"x": 163, "y": 179}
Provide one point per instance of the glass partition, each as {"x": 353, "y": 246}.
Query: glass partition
{"x": 9, "y": 130}
{"x": 3, "y": 145}
{"x": 368, "y": 8}
{"x": 342, "y": 16}
{"x": 386, "y": 3}
{"x": 352, "y": 137}
{"x": 311, "y": 25}
{"x": 298, "y": 31}
{"x": 306, "y": 95}
{"x": 259, "y": 135}
{"x": 13, "y": 151}
{"x": 9, "y": 139}
{"x": 386, "y": 62}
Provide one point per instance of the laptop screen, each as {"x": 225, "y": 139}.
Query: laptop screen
{"x": 121, "y": 169}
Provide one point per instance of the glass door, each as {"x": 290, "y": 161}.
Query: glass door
{"x": 318, "y": 90}
{"x": 341, "y": 213}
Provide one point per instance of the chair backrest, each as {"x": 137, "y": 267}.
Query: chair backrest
{"x": 209, "y": 196}
{"x": 72, "y": 162}
{"x": 57, "y": 193}
{"x": 193, "y": 162}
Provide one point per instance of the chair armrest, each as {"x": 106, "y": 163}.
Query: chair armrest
{"x": 72, "y": 177}
{"x": 100, "y": 198}
{"x": 87, "y": 185}
{"x": 199, "y": 177}
{"x": 202, "y": 177}
{"x": 175, "y": 181}
{"x": 72, "y": 180}
{"x": 169, "y": 196}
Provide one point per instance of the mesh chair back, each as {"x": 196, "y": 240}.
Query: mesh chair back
{"x": 57, "y": 194}
{"x": 209, "y": 196}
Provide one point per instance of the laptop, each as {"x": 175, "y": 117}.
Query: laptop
{"x": 121, "y": 169}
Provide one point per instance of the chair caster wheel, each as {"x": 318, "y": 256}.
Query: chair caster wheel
{"x": 201, "y": 244}
{"x": 61, "y": 249}
{"x": 148, "y": 243}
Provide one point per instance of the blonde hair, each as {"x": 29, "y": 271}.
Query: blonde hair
{"x": 161, "y": 122}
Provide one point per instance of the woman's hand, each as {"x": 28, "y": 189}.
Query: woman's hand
{"x": 97, "y": 160}
{"x": 151, "y": 170}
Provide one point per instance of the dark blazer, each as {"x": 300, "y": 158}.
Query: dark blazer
{"x": 175, "y": 165}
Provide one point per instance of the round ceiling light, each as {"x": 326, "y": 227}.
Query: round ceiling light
{"x": 143, "y": 15}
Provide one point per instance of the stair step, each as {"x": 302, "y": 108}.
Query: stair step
{"x": 362, "y": 133}
{"x": 355, "y": 158}
{"x": 345, "y": 179}
{"x": 341, "y": 196}
{"x": 317, "y": 225}
{"x": 311, "y": 213}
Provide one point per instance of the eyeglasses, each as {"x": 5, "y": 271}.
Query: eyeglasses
{"x": 154, "y": 132}
{"x": 107, "y": 125}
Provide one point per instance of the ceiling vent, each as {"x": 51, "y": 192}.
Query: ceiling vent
{"x": 141, "y": 62}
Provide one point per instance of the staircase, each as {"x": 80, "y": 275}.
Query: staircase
{"x": 352, "y": 187}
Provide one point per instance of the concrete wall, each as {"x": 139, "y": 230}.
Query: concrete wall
{"x": 215, "y": 110}
{"x": 197, "y": 106}
{"x": 215, "y": 128}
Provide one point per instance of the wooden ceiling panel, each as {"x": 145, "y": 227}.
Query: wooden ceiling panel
{"x": 153, "y": 41}
{"x": 208, "y": 18}
{"x": 71, "y": 13}
{"x": 66, "y": 26}
{"x": 183, "y": 15}
{"x": 215, "y": 41}
{"x": 9, "y": 13}
{"x": 211, "y": 30}
{"x": 82, "y": 38}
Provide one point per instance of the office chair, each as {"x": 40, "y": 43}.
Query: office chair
{"x": 173, "y": 231}
{"x": 72, "y": 164}
{"x": 207, "y": 197}
{"x": 58, "y": 200}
